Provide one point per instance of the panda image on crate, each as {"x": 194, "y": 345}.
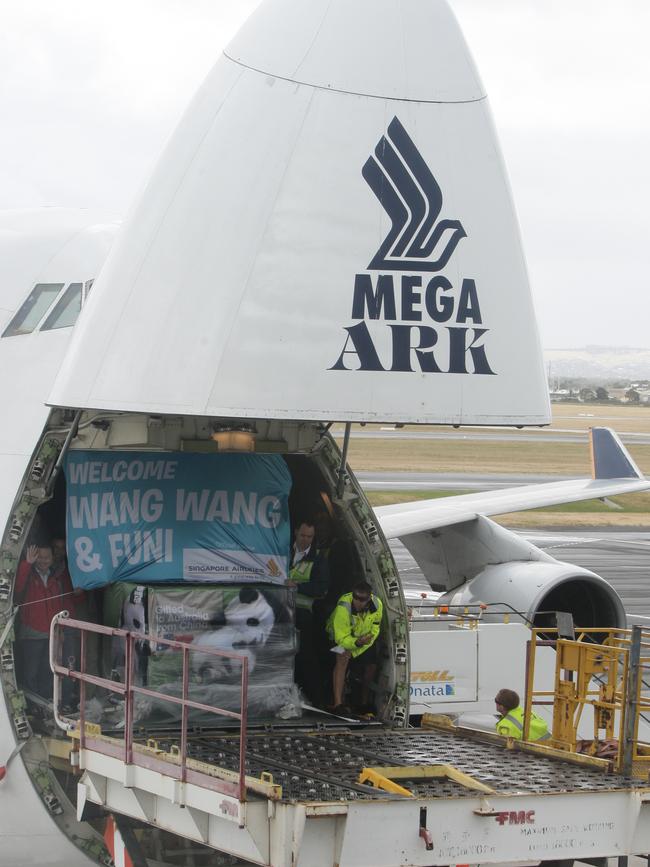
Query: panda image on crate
{"x": 249, "y": 621}
{"x": 254, "y": 621}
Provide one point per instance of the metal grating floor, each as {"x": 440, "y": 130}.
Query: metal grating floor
{"x": 326, "y": 766}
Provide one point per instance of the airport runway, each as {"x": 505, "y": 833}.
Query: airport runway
{"x": 493, "y": 435}
{"x": 622, "y": 558}
{"x": 402, "y": 481}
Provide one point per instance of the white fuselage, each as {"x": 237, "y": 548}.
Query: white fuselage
{"x": 53, "y": 247}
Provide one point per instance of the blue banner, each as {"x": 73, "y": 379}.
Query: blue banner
{"x": 152, "y": 517}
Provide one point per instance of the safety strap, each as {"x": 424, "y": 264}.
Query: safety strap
{"x": 514, "y": 721}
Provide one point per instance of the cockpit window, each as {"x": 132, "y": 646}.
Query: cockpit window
{"x": 66, "y": 310}
{"x": 33, "y": 310}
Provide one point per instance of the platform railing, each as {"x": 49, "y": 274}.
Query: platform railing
{"x": 606, "y": 670}
{"x": 427, "y": 610}
{"x": 128, "y": 689}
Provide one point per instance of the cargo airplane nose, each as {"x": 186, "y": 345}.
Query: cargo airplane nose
{"x": 315, "y": 242}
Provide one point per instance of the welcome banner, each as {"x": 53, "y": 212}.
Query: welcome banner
{"x": 152, "y": 517}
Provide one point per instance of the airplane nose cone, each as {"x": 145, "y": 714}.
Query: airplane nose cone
{"x": 329, "y": 235}
{"x": 397, "y": 49}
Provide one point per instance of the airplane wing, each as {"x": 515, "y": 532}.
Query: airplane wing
{"x": 613, "y": 469}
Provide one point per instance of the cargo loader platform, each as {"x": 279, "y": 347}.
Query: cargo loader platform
{"x": 371, "y": 797}
{"x": 469, "y": 799}
{"x": 328, "y": 765}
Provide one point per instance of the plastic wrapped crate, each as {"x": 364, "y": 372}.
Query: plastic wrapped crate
{"x": 254, "y": 621}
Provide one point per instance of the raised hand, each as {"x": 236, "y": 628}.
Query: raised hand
{"x": 32, "y": 553}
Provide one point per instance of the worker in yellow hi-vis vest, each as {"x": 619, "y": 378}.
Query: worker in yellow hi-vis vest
{"x": 309, "y": 577}
{"x": 511, "y": 721}
{"x": 353, "y": 628}
{"x": 308, "y": 567}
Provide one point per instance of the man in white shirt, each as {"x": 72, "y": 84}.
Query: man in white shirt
{"x": 305, "y": 534}
{"x": 309, "y": 574}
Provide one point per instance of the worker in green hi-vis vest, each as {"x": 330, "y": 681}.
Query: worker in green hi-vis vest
{"x": 309, "y": 576}
{"x": 511, "y": 718}
{"x": 353, "y": 628}
{"x": 308, "y": 568}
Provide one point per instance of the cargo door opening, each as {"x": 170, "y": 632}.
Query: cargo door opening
{"x": 280, "y": 629}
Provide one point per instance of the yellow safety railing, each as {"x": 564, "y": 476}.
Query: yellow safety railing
{"x": 605, "y": 671}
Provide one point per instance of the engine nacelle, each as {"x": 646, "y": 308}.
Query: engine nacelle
{"x": 480, "y": 561}
{"x": 535, "y": 590}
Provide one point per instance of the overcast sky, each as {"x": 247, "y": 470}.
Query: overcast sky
{"x": 90, "y": 91}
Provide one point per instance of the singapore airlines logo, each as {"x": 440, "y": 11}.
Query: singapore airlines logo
{"x": 406, "y": 322}
{"x": 410, "y": 195}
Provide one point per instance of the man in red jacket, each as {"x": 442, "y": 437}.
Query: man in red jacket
{"x": 41, "y": 594}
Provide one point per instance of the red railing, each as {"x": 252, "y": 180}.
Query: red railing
{"x": 128, "y": 689}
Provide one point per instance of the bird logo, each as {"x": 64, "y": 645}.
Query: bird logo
{"x": 407, "y": 190}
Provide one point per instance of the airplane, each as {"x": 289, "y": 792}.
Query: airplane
{"x": 315, "y": 246}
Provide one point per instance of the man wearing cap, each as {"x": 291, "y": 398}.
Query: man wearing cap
{"x": 354, "y": 627}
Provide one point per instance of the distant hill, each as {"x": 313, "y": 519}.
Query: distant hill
{"x": 606, "y": 363}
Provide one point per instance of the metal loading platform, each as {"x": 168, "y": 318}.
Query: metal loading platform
{"x": 373, "y": 797}
{"x": 327, "y": 766}
{"x": 470, "y": 799}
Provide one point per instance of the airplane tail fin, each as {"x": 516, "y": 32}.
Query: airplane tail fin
{"x": 609, "y": 457}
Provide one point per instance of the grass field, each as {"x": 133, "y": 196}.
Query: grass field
{"x": 632, "y": 510}
{"x": 458, "y": 455}
{"x": 470, "y": 456}
{"x": 624, "y": 418}
{"x": 580, "y": 416}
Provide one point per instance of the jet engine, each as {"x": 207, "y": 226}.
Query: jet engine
{"x": 480, "y": 561}
{"x": 537, "y": 590}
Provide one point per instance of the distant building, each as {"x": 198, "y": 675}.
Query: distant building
{"x": 630, "y": 394}
{"x": 618, "y": 394}
{"x": 561, "y": 394}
